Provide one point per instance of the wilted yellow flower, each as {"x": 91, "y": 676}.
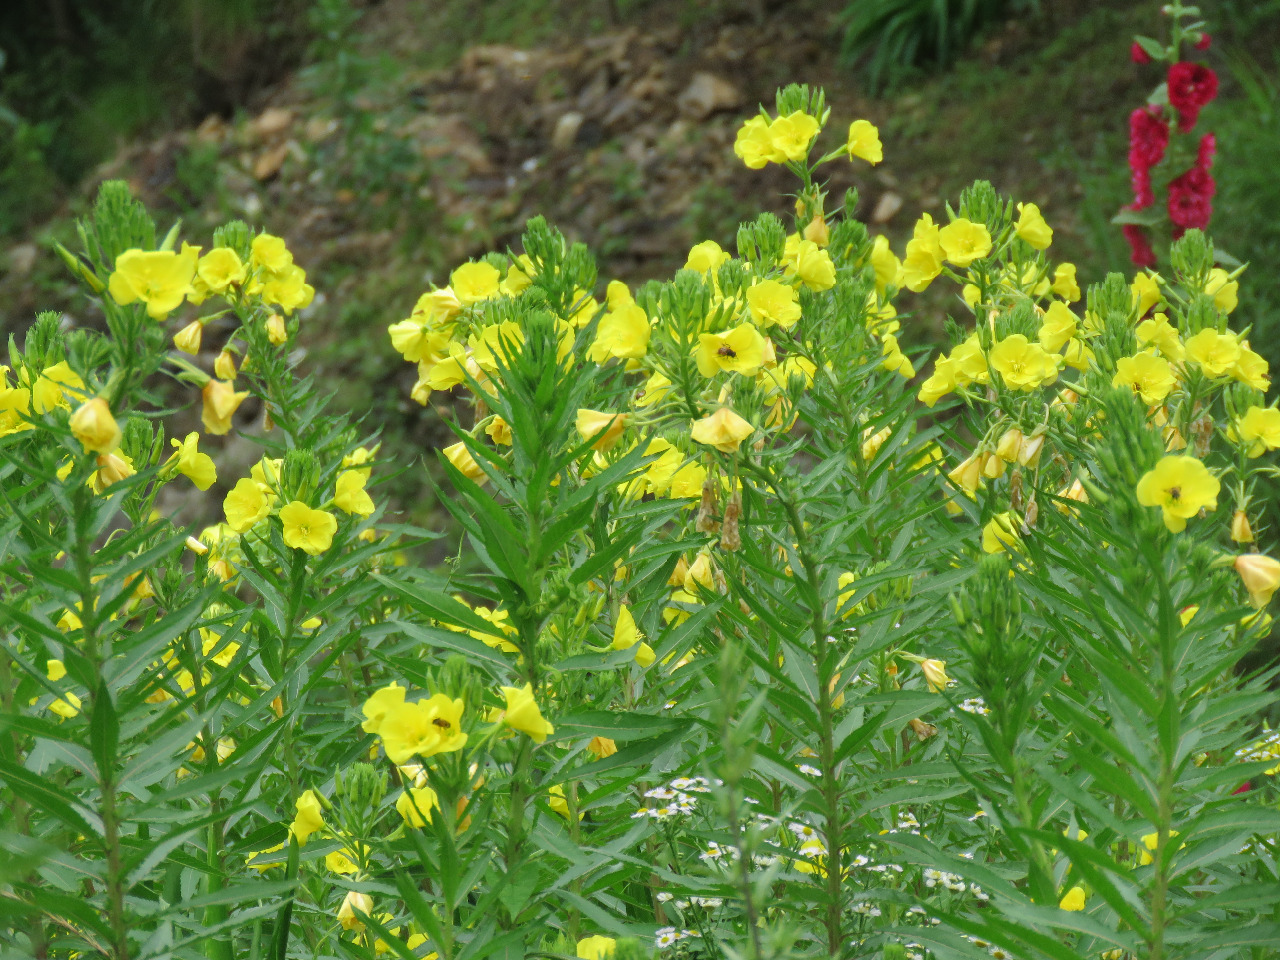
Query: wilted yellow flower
{"x": 307, "y": 529}
{"x": 1181, "y": 487}
{"x": 94, "y": 426}
{"x": 309, "y": 816}
{"x": 460, "y": 457}
{"x": 724, "y": 430}
{"x": 159, "y": 278}
{"x": 1261, "y": 576}
{"x": 935, "y": 674}
{"x": 864, "y": 142}
{"x": 220, "y": 403}
{"x": 1147, "y": 375}
{"x": 352, "y": 903}
{"x": 964, "y": 241}
{"x": 522, "y": 713}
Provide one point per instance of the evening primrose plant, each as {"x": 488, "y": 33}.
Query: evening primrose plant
{"x": 756, "y": 642}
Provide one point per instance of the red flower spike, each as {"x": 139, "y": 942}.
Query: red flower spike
{"x": 1191, "y": 87}
{"x": 1204, "y": 41}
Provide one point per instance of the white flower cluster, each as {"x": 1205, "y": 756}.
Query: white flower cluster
{"x": 1268, "y": 748}
{"x": 940, "y": 878}
{"x": 974, "y": 705}
{"x": 675, "y": 798}
{"x": 668, "y": 936}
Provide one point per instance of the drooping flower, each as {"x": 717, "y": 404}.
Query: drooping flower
{"x": 1260, "y": 429}
{"x": 309, "y": 817}
{"x": 245, "y": 505}
{"x": 864, "y": 142}
{"x": 220, "y": 403}
{"x": 605, "y": 427}
{"x": 350, "y": 495}
{"x": 813, "y": 265}
{"x": 94, "y": 426}
{"x": 1032, "y": 228}
{"x": 935, "y": 674}
{"x": 1261, "y": 576}
{"x": 1181, "y": 487}
{"x": 354, "y": 904}
{"x": 724, "y": 430}
{"x": 522, "y": 713}
{"x": 197, "y": 467}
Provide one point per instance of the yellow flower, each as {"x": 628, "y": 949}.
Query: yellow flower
{"x": 864, "y": 142}
{"x": 887, "y": 267}
{"x": 895, "y": 359}
{"x": 806, "y": 260}
{"x": 1151, "y": 841}
{"x": 245, "y": 505}
{"x": 198, "y": 467}
{"x": 1147, "y": 375}
{"x": 263, "y": 867}
{"x": 935, "y": 674}
{"x": 188, "y": 338}
{"x": 771, "y": 301}
{"x": 1064, "y": 282}
{"x": 422, "y": 728}
{"x": 558, "y": 803}
{"x": 1181, "y": 487}
{"x": 753, "y": 145}
{"x": 1160, "y": 333}
{"x": 1000, "y": 533}
{"x": 458, "y": 455}
{"x": 626, "y": 635}
{"x": 740, "y": 350}
{"x": 1261, "y": 576}
{"x": 791, "y": 135}
{"x": 596, "y": 948}
{"x": 1059, "y": 326}
{"x": 705, "y": 256}
{"x": 1023, "y": 365}
{"x": 159, "y": 278}
{"x": 623, "y": 333}
{"x": 307, "y": 529}
{"x": 94, "y": 426}
{"x": 473, "y": 282}
{"x": 724, "y": 430}
{"x": 1217, "y": 353}
{"x": 112, "y": 468}
{"x": 221, "y": 268}
{"x": 1241, "y": 531}
{"x": 923, "y": 261}
{"x": 605, "y": 427}
{"x": 415, "y": 804}
{"x": 1145, "y": 290}
{"x": 269, "y": 253}
{"x": 687, "y": 482}
{"x": 350, "y": 495}
{"x": 1073, "y": 900}
{"x": 1223, "y": 289}
{"x": 964, "y": 241}
{"x": 220, "y": 403}
{"x": 351, "y": 903}
{"x": 70, "y": 706}
{"x": 55, "y": 387}
{"x": 1260, "y": 429}
{"x": 601, "y": 747}
{"x": 309, "y": 817}
{"x": 341, "y": 861}
{"x": 1251, "y": 369}
{"x": 378, "y": 705}
{"x": 1032, "y": 228}
{"x": 522, "y": 713}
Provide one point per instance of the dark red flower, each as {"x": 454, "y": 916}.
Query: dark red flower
{"x": 1140, "y": 178}
{"x": 1137, "y": 54}
{"x": 1205, "y": 154}
{"x": 1148, "y": 137}
{"x": 1197, "y": 180}
{"x": 1204, "y": 41}
{"x": 1243, "y": 788}
{"x": 1189, "y": 209}
{"x": 1139, "y": 245}
{"x": 1191, "y": 86}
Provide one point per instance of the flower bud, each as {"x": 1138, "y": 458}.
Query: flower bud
{"x": 224, "y": 368}
{"x": 276, "y": 332}
{"x": 94, "y": 426}
{"x": 347, "y": 912}
{"x": 817, "y": 231}
{"x": 1261, "y": 576}
{"x": 967, "y": 475}
{"x": 935, "y": 674}
{"x": 1241, "y": 532}
{"x": 992, "y": 466}
{"x": 601, "y": 747}
{"x": 111, "y": 469}
{"x": 196, "y": 547}
{"x": 1029, "y": 450}
{"x": 1009, "y": 445}
{"x": 188, "y": 338}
